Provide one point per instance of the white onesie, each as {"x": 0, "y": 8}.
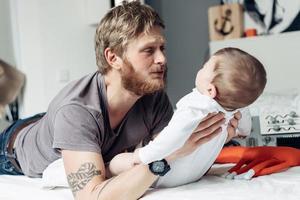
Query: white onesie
{"x": 191, "y": 109}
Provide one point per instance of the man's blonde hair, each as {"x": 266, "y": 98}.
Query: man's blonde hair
{"x": 239, "y": 78}
{"x": 120, "y": 25}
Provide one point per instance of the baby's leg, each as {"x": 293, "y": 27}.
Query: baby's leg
{"x": 192, "y": 167}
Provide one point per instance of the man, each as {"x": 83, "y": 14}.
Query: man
{"x": 103, "y": 114}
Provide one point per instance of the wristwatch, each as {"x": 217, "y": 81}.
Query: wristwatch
{"x": 159, "y": 167}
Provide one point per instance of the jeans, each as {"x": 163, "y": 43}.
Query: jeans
{"x": 6, "y": 167}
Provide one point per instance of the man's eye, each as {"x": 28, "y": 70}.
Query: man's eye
{"x": 162, "y": 48}
{"x": 149, "y": 50}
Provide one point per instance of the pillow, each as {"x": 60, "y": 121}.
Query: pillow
{"x": 271, "y": 103}
{"x": 54, "y": 176}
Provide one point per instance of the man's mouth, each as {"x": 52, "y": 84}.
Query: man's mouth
{"x": 158, "y": 74}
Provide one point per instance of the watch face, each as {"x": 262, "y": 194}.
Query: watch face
{"x": 158, "y": 166}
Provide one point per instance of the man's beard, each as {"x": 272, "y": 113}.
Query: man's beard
{"x": 133, "y": 82}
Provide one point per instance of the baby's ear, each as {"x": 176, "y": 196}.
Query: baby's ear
{"x": 212, "y": 90}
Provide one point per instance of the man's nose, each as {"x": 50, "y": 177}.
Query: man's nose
{"x": 160, "y": 58}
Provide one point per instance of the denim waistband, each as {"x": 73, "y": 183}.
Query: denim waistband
{"x": 7, "y": 137}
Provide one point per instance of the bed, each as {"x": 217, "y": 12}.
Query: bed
{"x": 279, "y": 186}
{"x": 284, "y": 185}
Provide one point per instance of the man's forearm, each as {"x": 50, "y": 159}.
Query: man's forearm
{"x": 129, "y": 185}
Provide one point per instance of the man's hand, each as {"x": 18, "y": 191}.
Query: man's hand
{"x": 207, "y": 129}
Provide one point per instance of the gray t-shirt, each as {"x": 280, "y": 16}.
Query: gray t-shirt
{"x": 77, "y": 119}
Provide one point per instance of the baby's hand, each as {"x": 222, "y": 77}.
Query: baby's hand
{"x": 120, "y": 163}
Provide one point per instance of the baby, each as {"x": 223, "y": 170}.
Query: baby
{"x": 228, "y": 82}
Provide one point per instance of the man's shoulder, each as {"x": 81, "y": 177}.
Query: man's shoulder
{"x": 81, "y": 95}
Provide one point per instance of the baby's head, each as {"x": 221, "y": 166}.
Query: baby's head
{"x": 232, "y": 77}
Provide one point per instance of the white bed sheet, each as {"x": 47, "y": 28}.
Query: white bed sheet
{"x": 21, "y": 187}
{"x": 280, "y": 186}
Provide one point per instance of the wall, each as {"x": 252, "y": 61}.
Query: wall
{"x": 55, "y": 44}
{"x": 187, "y": 41}
{"x": 6, "y": 42}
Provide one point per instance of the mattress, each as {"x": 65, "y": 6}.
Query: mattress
{"x": 284, "y": 185}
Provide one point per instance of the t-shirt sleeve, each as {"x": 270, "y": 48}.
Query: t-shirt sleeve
{"x": 162, "y": 113}
{"x": 75, "y": 128}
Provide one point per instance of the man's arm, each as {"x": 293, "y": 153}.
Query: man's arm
{"x": 86, "y": 176}
{"x": 86, "y": 171}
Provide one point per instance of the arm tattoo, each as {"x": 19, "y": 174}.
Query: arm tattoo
{"x": 85, "y": 173}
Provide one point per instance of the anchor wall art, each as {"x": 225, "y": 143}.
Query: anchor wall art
{"x": 225, "y": 21}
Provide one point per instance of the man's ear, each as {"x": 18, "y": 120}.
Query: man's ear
{"x": 112, "y": 59}
{"x": 212, "y": 90}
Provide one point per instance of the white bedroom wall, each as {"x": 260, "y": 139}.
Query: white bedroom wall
{"x": 55, "y": 44}
{"x": 187, "y": 41}
{"x": 6, "y": 42}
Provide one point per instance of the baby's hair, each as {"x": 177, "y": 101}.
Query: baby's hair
{"x": 239, "y": 78}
